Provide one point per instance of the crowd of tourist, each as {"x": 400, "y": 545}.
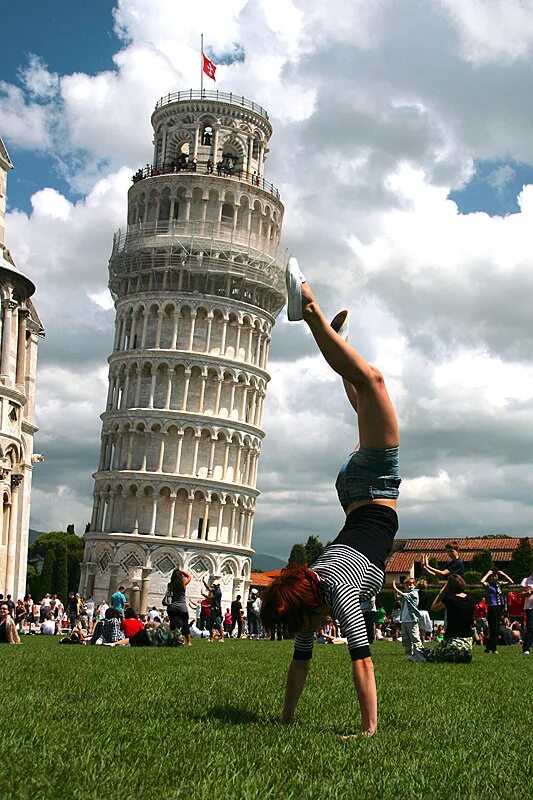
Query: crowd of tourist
{"x": 459, "y": 622}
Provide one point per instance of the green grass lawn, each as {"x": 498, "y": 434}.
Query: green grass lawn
{"x": 106, "y": 723}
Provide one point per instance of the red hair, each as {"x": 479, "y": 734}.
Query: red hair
{"x": 290, "y": 598}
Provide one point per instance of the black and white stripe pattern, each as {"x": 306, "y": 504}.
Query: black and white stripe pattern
{"x": 347, "y": 577}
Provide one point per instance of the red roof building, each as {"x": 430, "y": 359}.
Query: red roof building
{"x": 408, "y": 552}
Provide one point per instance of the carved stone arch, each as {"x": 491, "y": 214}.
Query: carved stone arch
{"x": 232, "y": 563}
{"x": 247, "y": 440}
{"x": 208, "y": 429}
{"x": 103, "y": 555}
{"x": 180, "y": 487}
{"x": 201, "y": 564}
{"x": 154, "y": 426}
{"x": 131, "y": 547}
{"x": 222, "y": 431}
{"x": 214, "y": 368}
{"x": 238, "y": 436}
{"x": 165, "y": 560}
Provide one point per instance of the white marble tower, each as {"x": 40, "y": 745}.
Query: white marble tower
{"x": 197, "y": 278}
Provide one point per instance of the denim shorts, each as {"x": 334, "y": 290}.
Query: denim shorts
{"x": 369, "y": 474}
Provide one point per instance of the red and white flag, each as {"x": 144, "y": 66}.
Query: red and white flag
{"x": 208, "y": 67}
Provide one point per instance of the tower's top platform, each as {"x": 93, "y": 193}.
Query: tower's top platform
{"x": 208, "y": 94}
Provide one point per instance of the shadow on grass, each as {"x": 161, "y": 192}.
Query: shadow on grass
{"x": 232, "y": 715}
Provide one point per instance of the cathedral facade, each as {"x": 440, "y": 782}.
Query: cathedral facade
{"x": 21, "y": 331}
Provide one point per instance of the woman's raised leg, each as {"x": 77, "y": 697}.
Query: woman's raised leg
{"x": 378, "y": 424}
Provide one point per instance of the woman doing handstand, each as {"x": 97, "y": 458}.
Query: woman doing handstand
{"x": 352, "y": 567}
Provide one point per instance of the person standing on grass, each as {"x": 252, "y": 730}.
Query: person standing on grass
{"x": 493, "y": 583}
{"x": 480, "y": 620}
{"x": 118, "y": 601}
{"x": 236, "y": 616}
{"x": 178, "y": 610}
{"x": 252, "y": 615}
{"x": 455, "y": 565}
{"x": 456, "y": 645}
{"x": 8, "y": 631}
{"x": 90, "y": 606}
{"x": 424, "y": 621}
{"x": 409, "y": 616}
{"x": 20, "y": 615}
{"x": 352, "y": 566}
{"x": 527, "y": 591}
{"x": 214, "y": 596}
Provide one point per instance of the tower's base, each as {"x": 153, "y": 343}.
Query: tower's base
{"x": 143, "y": 565}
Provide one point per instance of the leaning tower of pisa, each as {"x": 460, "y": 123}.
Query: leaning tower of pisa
{"x": 197, "y": 279}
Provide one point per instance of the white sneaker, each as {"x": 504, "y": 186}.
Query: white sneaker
{"x": 526, "y": 653}
{"x": 340, "y": 323}
{"x": 294, "y": 279}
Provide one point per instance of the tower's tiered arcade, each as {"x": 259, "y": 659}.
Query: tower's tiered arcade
{"x": 197, "y": 278}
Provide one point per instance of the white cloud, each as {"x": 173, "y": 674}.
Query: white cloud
{"x": 493, "y": 29}
{"x": 26, "y": 124}
{"x": 38, "y": 80}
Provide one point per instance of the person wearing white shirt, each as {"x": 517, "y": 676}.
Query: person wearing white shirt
{"x": 527, "y": 585}
{"x": 102, "y": 608}
{"x": 48, "y": 627}
{"x": 154, "y": 614}
{"x": 90, "y": 606}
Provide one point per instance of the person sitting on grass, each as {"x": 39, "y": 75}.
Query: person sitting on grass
{"x": 409, "y": 615}
{"x": 107, "y": 630}
{"x": 8, "y": 630}
{"x": 48, "y": 625}
{"x": 351, "y": 569}
{"x": 131, "y": 624}
{"x": 456, "y": 646}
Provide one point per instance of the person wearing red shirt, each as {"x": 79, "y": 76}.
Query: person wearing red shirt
{"x": 131, "y": 624}
{"x": 480, "y": 619}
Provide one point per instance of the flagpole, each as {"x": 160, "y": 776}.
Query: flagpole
{"x": 201, "y": 65}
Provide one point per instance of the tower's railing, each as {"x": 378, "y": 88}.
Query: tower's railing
{"x": 204, "y": 168}
{"x": 196, "y": 246}
{"x": 210, "y": 94}
{"x": 213, "y": 236}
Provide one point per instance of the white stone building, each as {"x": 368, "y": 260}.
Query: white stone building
{"x": 21, "y": 329}
{"x": 197, "y": 278}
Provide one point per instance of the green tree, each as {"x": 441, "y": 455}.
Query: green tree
{"x": 70, "y": 529}
{"x": 298, "y": 554}
{"x": 482, "y": 562}
{"x": 87, "y": 527}
{"x": 472, "y": 577}
{"x": 522, "y": 561}
{"x": 313, "y": 549}
{"x": 47, "y": 573}
{"x": 50, "y": 542}
{"x": 61, "y": 571}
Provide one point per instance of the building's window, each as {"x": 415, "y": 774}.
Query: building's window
{"x": 207, "y": 135}
{"x": 13, "y": 414}
{"x": 200, "y": 523}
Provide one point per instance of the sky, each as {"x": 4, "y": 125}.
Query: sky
{"x": 403, "y": 150}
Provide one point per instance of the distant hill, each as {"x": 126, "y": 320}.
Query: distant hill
{"x": 264, "y": 562}
{"x": 34, "y": 535}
